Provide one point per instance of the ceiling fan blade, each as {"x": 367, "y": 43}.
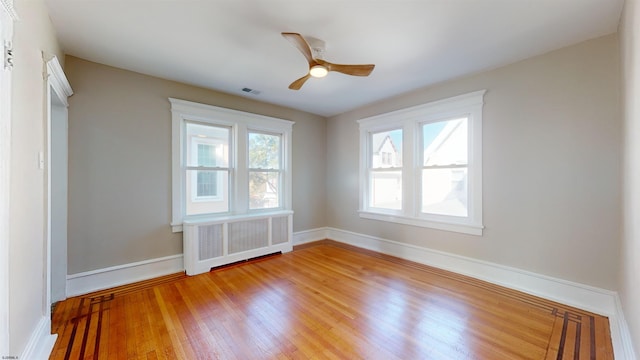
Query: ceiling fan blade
{"x": 301, "y": 44}
{"x": 296, "y": 85}
{"x": 355, "y": 70}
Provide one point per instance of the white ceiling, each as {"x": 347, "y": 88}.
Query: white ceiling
{"x": 228, "y": 45}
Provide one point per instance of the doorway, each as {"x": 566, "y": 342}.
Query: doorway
{"x": 59, "y": 193}
{"x": 58, "y": 90}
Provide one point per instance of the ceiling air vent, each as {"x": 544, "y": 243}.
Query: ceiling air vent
{"x": 251, "y": 91}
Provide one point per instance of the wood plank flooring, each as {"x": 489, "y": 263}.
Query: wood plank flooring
{"x": 325, "y": 301}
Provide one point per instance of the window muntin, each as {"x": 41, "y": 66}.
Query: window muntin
{"x": 385, "y": 169}
{"x": 440, "y": 169}
{"x": 265, "y": 157}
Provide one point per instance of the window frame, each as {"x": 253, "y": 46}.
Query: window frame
{"x": 411, "y": 120}
{"x": 240, "y": 123}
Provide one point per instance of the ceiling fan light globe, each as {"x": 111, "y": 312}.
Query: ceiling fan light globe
{"x": 318, "y": 71}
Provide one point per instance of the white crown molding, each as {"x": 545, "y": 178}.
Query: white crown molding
{"x": 100, "y": 279}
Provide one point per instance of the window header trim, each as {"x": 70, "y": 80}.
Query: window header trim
{"x": 432, "y": 110}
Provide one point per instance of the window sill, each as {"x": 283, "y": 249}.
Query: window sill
{"x": 446, "y": 226}
{"x": 209, "y": 219}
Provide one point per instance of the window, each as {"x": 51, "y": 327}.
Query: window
{"x": 444, "y": 167}
{"x": 385, "y": 172}
{"x": 422, "y": 166}
{"x": 264, "y": 170}
{"x": 228, "y": 163}
{"x": 207, "y": 168}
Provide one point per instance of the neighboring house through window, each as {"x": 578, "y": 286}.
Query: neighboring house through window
{"x": 386, "y": 170}
{"x": 423, "y": 165}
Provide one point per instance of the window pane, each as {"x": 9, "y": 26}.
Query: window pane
{"x": 386, "y": 148}
{"x": 386, "y": 190}
{"x": 444, "y": 191}
{"x": 207, "y": 183}
{"x": 207, "y": 192}
{"x": 206, "y": 155}
{"x": 207, "y": 145}
{"x": 264, "y": 190}
{"x": 264, "y": 151}
{"x": 445, "y": 142}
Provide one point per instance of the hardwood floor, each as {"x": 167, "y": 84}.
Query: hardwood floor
{"x": 326, "y": 301}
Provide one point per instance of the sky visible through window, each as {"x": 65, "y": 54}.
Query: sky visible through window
{"x": 428, "y": 132}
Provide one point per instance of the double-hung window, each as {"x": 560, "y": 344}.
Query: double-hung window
{"x": 228, "y": 163}
{"x": 444, "y": 171}
{"x": 385, "y": 170}
{"x": 265, "y": 170}
{"x": 207, "y": 170}
{"x": 422, "y": 166}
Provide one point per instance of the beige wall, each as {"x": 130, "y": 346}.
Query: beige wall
{"x": 630, "y": 252}
{"x": 120, "y": 164}
{"x": 552, "y": 198}
{"x": 32, "y": 35}
{"x": 551, "y": 166}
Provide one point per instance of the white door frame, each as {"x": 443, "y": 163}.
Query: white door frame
{"x": 7, "y": 18}
{"x": 58, "y": 86}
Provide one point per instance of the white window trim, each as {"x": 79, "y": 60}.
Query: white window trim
{"x": 240, "y": 122}
{"x": 410, "y": 120}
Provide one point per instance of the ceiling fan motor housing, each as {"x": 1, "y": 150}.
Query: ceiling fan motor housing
{"x": 317, "y": 47}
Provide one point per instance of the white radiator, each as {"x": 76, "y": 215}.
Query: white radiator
{"x": 218, "y": 242}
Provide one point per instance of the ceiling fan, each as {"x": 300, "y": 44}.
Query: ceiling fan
{"x": 318, "y": 67}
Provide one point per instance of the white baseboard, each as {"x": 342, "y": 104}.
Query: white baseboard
{"x": 582, "y": 296}
{"x": 86, "y": 282}
{"x": 596, "y": 300}
{"x": 100, "y": 279}
{"x": 41, "y": 341}
{"x": 307, "y": 236}
{"x": 600, "y": 301}
{"x": 620, "y": 334}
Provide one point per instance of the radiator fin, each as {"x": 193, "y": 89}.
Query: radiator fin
{"x": 210, "y": 241}
{"x": 280, "y": 230}
{"x": 248, "y": 235}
